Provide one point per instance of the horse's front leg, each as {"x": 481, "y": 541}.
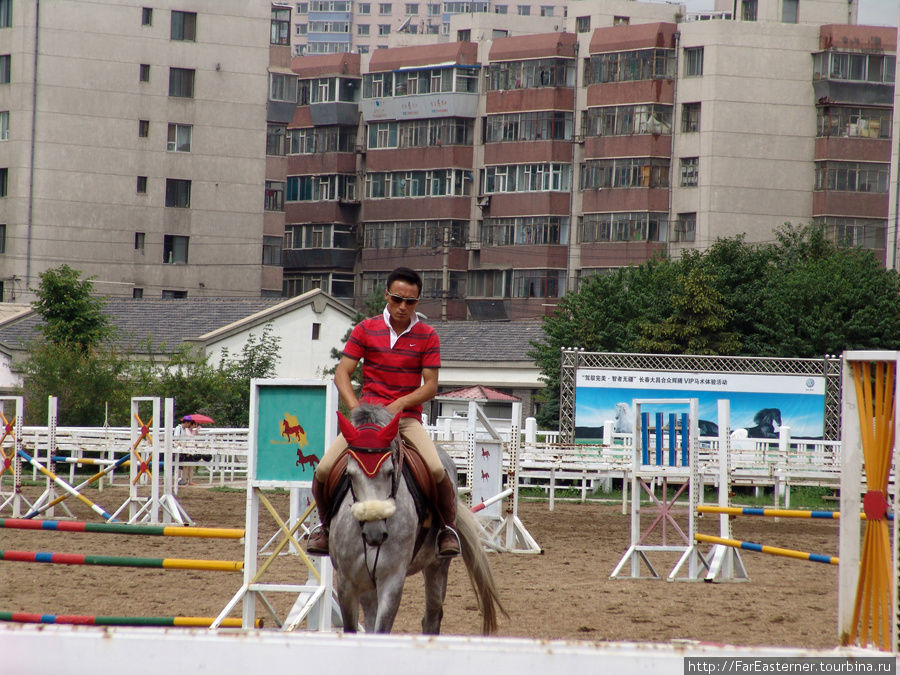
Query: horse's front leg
{"x": 390, "y": 590}
{"x": 348, "y": 601}
{"x": 435, "y": 591}
{"x": 369, "y": 602}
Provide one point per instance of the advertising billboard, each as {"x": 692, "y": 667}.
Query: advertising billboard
{"x": 760, "y": 404}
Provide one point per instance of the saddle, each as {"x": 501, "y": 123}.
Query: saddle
{"x": 412, "y": 467}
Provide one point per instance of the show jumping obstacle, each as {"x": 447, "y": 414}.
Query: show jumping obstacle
{"x": 122, "y": 528}
{"x": 122, "y": 561}
{"x": 649, "y": 467}
{"x": 96, "y": 620}
{"x": 773, "y": 550}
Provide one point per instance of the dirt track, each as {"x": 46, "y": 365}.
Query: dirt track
{"x": 564, "y": 593}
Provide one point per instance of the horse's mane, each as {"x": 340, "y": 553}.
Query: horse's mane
{"x": 369, "y": 413}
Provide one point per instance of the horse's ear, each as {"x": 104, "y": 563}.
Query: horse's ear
{"x": 347, "y": 429}
{"x": 389, "y": 431}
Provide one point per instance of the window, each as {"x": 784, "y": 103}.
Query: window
{"x": 525, "y": 231}
{"x": 4, "y": 69}
{"x": 412, "y": 8}
{"x": 464, "y": 35}
{"x": 175, "y": 249}
{"x": 748, "y": 10}
{"x": 178, "y": 193}
{"x": 316, "y": 329}
{"x": 524, "y": 10}
{"x": 301, "y": 29}
{"x": 853, "y": 122}
{"x": 434, "y": 9}
{"x": 624, "y": 226}
{"x": 271, "y": 251}
{"x": 137, "y": 293}
{"x": 546, "y": 10}
{"x": 184, "y": 26}
{"x": 384, "y": 29}
{"x": 364, "y": 8}
{"x": 142, "y": 185}
{"x": 181, "y": 82}
{"x": 145, "y": 72}
{"x": 362, "y": 29}
{"x": 690, "y": 117}
{"x": 689, "y": 171}
{"x": 629, "y": 66}
{"x": 280, "y": 33}
{"x": 583, "y": 24}
{"x": 5, "y": 13}
{"x": 869, "y": 233}
{"x": 685, "y": 227}
{"x": 362, "y": 49}
{"x": 384, "y": 8}
{"x": 627, "y": 120}
{"x": 140, "y": 239}
{"x": 4, "y": 182}
{"x": 4, "y": 125}
{"x": 501, "y": 9}
{"x": 621, "y": 20}
{"x": 282, "y": 87}
{"x": 275, "y": 134}
{"x": 274, "y": 195}
{"x": 693, "y": 61}
{"x": 143, "y": 128}
{"x": 179, "y": 138}
{"x": 302, "y": 7}
{"x": 173, "y": 295}
{"x": 3, "y": 238}
{"x": 146, "y": 15}
{"x": 852, "y": 176}
{"x": 789, "y": 13}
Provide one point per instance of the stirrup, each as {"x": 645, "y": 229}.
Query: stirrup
{"x": 450, "y": 553}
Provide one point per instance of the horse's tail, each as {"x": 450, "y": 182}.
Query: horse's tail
{"x": 479, "y": 569}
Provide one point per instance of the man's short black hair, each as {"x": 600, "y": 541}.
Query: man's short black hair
{"x": 407, "y": 275}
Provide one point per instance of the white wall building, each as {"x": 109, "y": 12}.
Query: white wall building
{"x": 133, "y": 145}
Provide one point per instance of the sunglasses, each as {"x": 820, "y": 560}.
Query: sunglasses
{"x": 400, "y": 299}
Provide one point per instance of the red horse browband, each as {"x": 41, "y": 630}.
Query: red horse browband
{"x": 370, "y": 461}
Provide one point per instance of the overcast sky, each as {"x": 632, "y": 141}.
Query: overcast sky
{"x": 871, "y": 12}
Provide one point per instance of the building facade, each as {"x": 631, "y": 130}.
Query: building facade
{"x": 132, "y": 144}
{"x": 509, "y": 168}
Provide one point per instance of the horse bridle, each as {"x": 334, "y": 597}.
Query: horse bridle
{"x": 395, "y": 473}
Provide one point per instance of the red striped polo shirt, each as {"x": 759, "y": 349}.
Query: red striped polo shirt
{"x": 389, "y": 373}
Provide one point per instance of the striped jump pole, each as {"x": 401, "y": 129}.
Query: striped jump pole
{"x": 97, "y": 620}
{"x": 122, "y": 528}
{"x": 492, "y": 500}
{"x": 772, "y": 550}
{"x": 123, "y": 561}
{"x": 64, "y": 485}
{"x": 776, "y": 513}
{"x": 125, "y": 459}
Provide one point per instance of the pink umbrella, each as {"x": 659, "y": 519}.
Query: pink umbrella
{"x": 198, "y": 418}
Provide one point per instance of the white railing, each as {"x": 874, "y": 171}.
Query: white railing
{"x": 544, "y": 462}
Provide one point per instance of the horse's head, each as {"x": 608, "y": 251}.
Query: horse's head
{"x": 373, "y": 450}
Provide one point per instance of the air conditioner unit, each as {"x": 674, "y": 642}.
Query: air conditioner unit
{"x": 579, "y": 139}
{"x": 360, "y": 149}
{"x": 484, "y": 201}
{"x": 473, "y": 245}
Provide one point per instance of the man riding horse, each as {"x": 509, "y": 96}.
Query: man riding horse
{"x": 401, "y": 356}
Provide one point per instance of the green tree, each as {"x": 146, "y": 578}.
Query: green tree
{"x": 75, "y": 360}
{"x": 799, "y": 296}
{"x": 697, "y": 324}
{"x": 70, "y": 314}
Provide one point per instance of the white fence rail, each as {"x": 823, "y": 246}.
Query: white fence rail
{"x": 545, "y": 463}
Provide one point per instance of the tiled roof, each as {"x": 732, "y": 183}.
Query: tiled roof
{"x": 477, "y": 393}
{"x": 487, "y": 340}
{"x": 166, "y": 322}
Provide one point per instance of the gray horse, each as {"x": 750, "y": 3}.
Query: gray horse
{"x": 375, "y": 530}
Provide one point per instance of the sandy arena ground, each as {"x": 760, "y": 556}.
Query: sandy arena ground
{"x": 563, "y": 593}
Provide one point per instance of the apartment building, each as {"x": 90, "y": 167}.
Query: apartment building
{"x": 132, "y": 146}
{"x": 507, "y": 168}
{"x": 332, "y": 26}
